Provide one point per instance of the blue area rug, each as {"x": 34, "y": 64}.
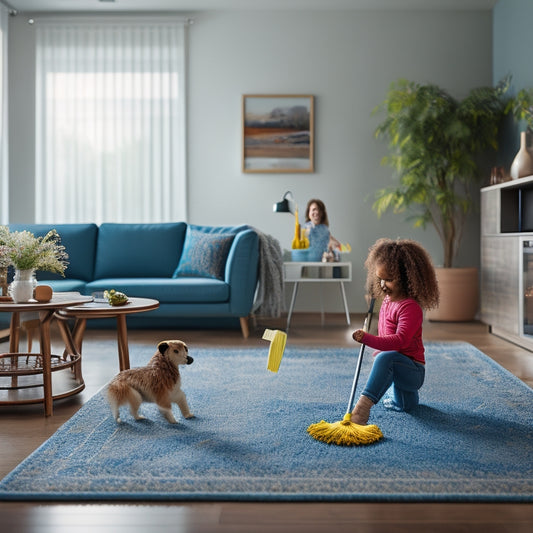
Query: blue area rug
{"x": 471, "y": 439}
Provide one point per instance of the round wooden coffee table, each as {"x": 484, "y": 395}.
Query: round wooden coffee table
{"x": 103, "y": 310}
{"x": 20, "y": 366}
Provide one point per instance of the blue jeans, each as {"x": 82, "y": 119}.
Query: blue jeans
{"x": 405, "y": 375}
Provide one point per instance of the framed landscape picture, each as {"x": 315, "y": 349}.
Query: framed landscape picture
{"x": 277, "y": 133}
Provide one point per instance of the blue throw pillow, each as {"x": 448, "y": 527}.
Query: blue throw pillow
{"x": 204, "y": 254}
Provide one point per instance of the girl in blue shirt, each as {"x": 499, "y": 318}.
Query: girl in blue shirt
{"x": 317, "y": 226}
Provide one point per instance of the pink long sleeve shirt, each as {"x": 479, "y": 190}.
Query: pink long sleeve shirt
{"x": 399, "y": 329}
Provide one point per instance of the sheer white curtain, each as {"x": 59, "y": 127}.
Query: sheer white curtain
{"x": 110, "y": 121}
{"x": 4, "y": 171}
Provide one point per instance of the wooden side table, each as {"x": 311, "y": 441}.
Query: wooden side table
{"x": 317, "y": 272}
{"x": 103, "y": 310}
{"x": 15, "y": 365}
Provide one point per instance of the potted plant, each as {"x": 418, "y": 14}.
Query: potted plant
{"x": 522, "y": 108}
{"x": 435, "y": 141}
{"x": 27, "y": 253}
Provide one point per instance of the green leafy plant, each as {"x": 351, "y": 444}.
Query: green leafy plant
{"x": 24, "y": 251}
{"x": 434, "y": 142}
{"x": 5, "y": 261}
{"x": 522, "y": 107}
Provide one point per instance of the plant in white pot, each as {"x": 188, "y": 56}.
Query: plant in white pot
{"x": 522, "y": 108}
{"x": 27, "y": 253}
{"x": 435, "y": 142}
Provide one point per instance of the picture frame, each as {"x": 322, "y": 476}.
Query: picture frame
{"x": 277, "y": 133}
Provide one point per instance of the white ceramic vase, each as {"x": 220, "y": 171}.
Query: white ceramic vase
{"x": 523, "y": 162}
{"x": 21, "y": 288}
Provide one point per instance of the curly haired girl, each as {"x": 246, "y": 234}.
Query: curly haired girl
{"x": 401, "y": 271}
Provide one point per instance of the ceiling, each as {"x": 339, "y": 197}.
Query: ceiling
{"x": 201, "y": 5}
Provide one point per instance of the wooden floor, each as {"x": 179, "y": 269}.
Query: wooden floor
{"x": 24, "y": 428}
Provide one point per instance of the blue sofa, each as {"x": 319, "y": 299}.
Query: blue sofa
{"x": 203, "y": 276}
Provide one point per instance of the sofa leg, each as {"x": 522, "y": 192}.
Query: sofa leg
{"x": 244, "y": 327}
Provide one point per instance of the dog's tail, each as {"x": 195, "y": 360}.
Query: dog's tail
{"x": 120, "y": 393}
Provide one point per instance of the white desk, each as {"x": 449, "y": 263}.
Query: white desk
{"x": 311, "y": 272}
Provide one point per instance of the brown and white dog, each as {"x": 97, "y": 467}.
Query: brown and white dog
{"x": 158, "y": 382}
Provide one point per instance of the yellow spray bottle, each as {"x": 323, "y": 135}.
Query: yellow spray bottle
{"x": 296, "y": 239}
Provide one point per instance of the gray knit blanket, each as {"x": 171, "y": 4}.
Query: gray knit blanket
{"x": 269, "y": 300}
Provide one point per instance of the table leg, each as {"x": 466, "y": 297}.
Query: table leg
{"x": 322, "y": 314}
{"x": 46, "y": 351}
{"x": 122, "y": 338}
{"x": 345, "y": 303}
{"x": 14, "y": 332}
{"x": 14, "y": 336}
{"x": 71, "y": 347}
{"x": 293, "y": 299}
{"x": 78, "y": 331}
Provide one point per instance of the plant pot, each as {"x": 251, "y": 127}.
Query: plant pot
{"x": 459, "y": 295}
{"x": 306, "y": 254}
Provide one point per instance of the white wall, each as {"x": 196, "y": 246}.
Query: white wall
{"x": 347, "y": 59}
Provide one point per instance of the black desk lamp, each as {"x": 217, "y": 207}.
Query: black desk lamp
{"x": 287, "y": 204}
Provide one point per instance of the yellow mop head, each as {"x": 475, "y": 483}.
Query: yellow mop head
{"x": 277, "y": 339}
{"x": 345, "y": 432}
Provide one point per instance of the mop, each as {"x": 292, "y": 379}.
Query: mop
{"x": 346, "y": 432}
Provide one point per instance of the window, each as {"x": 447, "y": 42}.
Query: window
{"x": 4, "y": 197}
{"x": 110, "y": 139}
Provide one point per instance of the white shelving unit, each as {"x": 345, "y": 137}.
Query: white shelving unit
{"x": 316, "y": 272}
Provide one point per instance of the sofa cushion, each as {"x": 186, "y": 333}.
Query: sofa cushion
{"x": 66, "y": 285}
{"x": 79, "y": 241}
{"x": 204, "y": 254}
{"x": 138, "y": 250}
{"x": 167, "y": 290}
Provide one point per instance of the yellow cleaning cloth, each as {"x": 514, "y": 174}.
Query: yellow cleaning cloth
{"x": 277, "y": 339}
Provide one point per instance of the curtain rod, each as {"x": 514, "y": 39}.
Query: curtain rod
{"x": 9, "y": 7}
{"x": 111, "y": 18}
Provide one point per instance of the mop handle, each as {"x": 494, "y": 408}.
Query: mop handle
{"x": 366, "y": 327}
